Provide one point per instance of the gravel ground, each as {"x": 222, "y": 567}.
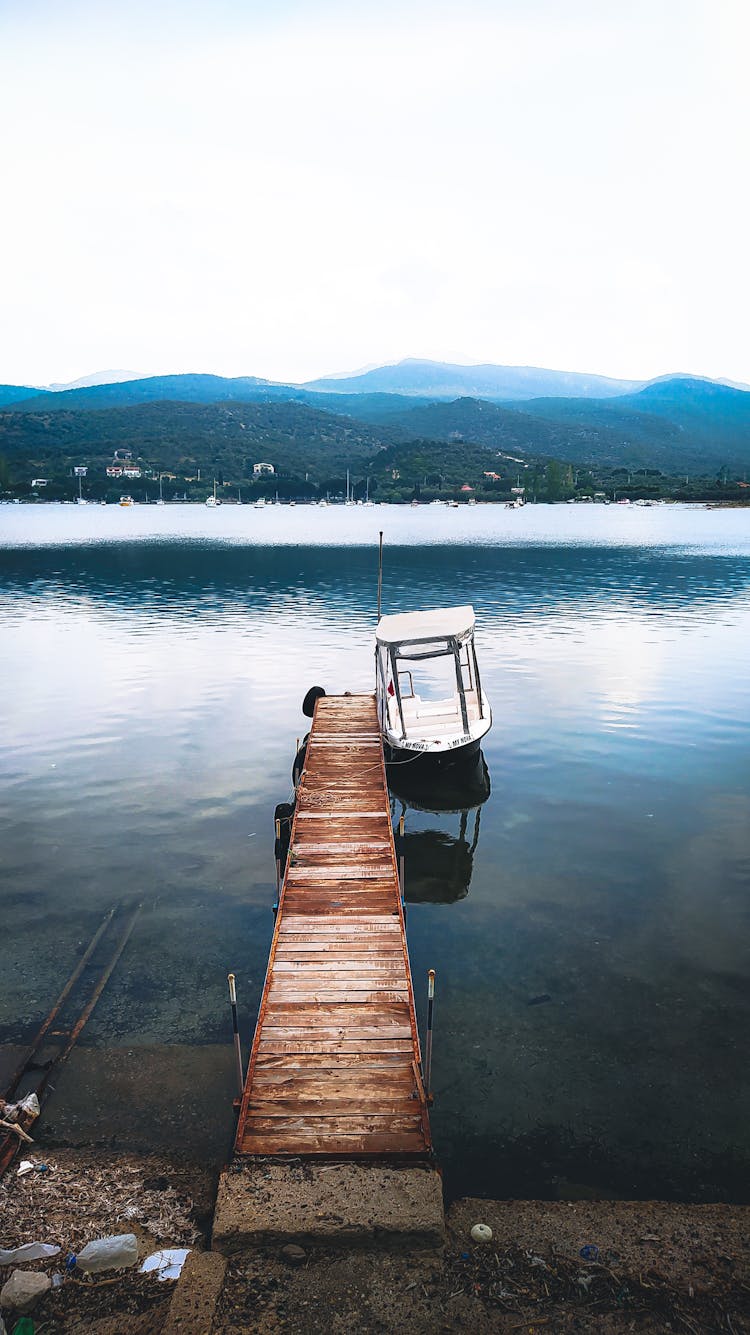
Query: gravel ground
{"x": 82, "y": 1196}
{"x": 656, "y": 1267}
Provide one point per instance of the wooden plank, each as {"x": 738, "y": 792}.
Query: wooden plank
{"x": 327, "y": 996}
{"x": 347, "y": 947}
{"x": 295, "y": 1144}
{"x": 343, "y": 815}
{"x": 394, "y": 1111}
{"x": 349, "y": 1031}
{"x": 355, "y": 1077}
{"x": 337, "y": 964}
{"x": 302, "y": 1062}
{"x": 366, "y": 922}
{"x": 342, "y": 1045}
{"x": 353, "y": 1123}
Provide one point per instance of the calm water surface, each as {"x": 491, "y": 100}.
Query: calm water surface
{"x": 588, "y": 922}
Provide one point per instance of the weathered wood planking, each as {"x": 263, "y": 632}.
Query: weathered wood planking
{"x": 334, "y": 1067}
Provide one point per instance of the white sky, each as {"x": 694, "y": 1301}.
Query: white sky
{"x": 289, "y": 189}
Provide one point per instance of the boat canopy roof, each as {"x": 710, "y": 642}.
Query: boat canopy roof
{"x": 440, "y": 623}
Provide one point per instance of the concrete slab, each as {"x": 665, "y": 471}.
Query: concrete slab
{"x": 193, "y": 1306}
{"x": 339, "y": 1203}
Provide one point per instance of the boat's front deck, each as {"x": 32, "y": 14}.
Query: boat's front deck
{"x": 438, "y": 718}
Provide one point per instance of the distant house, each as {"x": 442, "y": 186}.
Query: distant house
{"x": 517, "y": 491}
{"x": 263, "y": 468}
{"x": 130, "y": 471}
{"x": 123, "y": 455}
{"x": 39, "y": 482}
{"x": 466, "y": 487}
{"x": 114, "y": 470}
{"x": 80, "y": 471}
{"x": 494, "y": 477}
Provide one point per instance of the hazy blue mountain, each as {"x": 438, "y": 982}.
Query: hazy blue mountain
{"x": 96, "y": 378}
{"x": 444, "y": 380}
{"x": 703, "y": 405}
{"x": 203, "y": 389}
{"x": 14, "y": 393}
{"x": 682, "y": 423}
{"x": 174, "y": 388}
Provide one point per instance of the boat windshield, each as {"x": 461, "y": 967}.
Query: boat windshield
{"x": 429, "y": 688}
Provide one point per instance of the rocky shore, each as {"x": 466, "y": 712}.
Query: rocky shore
{"x": 584, "y": 1266}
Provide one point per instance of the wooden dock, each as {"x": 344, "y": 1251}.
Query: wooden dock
{"x": 335, "y": 1062}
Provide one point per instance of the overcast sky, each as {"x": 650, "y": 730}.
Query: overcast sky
{"x": 289, "y": 189}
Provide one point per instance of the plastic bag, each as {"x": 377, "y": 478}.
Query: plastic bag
{"x": 29, "y": 1251}
{"x": 167, "y": 1263}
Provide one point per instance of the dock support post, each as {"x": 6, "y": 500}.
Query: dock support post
{"x": 236, "y": 1031}
{"x": 277, "y": 850}
{"x": 428, "y": 1043}
{"x": 380, "y": 572}
{"x": 401, "y": 859}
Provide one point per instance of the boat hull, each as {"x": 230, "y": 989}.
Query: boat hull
{"x": 432, "y": 760}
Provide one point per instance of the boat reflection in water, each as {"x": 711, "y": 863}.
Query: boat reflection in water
{"x": 438, "y": 859}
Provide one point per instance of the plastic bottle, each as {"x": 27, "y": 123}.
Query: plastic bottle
{"x": 108, "y": 1254}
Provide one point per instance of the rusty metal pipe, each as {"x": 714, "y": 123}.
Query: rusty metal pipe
{"x": 236, "y": 1032}
{"x": 36, "y": 1043}
{"x": 428, "y": 1041}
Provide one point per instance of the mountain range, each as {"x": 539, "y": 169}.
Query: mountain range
{"x": 675, "y": 424}
{"x": 446, "y": 380}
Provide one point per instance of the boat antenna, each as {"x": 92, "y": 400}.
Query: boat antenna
{"x": 380, "y": 572}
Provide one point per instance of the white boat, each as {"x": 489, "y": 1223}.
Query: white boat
{"x": 260, "y": 504}
{"x": 126, "y": 500}
{"x": 212, "y": 501}
{"x": 445, "y": 715}
{"x": 161, "y": 491}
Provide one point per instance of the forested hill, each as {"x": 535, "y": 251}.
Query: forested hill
{"x": 221, "y": 436}
{"x": 654, "y": 444}
{"x": 15, "y": 393}
{"x": 310, "y": 452}
{"x": 677, "y": 424}
{"x": 172, "y": 388}
{"x": 201, "y": 389}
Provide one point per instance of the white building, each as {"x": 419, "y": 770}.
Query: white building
{"x": 263, "y": 468}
